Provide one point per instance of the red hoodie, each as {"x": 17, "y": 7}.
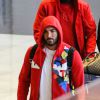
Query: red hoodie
{"x": 30, "y": 75}
{"x": 85, "y": 25}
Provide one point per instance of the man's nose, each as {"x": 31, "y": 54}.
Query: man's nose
{"x": 49, "y": 34}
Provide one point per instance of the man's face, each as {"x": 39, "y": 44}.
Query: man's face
{"x": 50, "y": 36}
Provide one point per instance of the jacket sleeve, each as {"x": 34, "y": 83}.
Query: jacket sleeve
{"x": 24, "y": 78}
{"x": 41, "y": 13}
{"x": 89, "y": 30}
{"x": 77, "y": 70}
{"x": 78, "y": 76}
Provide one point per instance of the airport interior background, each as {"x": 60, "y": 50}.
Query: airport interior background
{"x": 16, "y": 35}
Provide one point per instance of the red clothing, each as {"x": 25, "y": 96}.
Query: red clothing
{"x": 31, "y": 76}
{"x": 67, "y": 24}
{"x": 85, "y": 25}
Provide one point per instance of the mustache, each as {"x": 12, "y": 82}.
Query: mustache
{"x": 50, "y": 39}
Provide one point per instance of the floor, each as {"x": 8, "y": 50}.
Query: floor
{"x": 12, "y": 51}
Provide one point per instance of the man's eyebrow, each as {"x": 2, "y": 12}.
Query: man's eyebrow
{"x": 49, "y": 30}
{"x": 53, "y": 29}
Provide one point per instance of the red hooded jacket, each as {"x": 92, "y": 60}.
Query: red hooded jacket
{"x": 30, "y": 74}
{"x": 85, "y": 27}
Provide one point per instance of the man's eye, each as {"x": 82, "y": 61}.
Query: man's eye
{"x": 53, "y": 30}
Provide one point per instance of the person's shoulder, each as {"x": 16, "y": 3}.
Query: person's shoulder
{"x": 45, "y": 3}
{"x": 82, "y": 3}
{"x": 48, "y": 1}
{"x": 65, "y": 44}
{"x": 28, "y": 50}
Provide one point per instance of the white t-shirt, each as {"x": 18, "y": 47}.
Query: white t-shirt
{"x": 46, "y": 76}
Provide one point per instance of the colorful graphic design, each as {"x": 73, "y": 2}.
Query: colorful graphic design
{"x": 60, "y": 69}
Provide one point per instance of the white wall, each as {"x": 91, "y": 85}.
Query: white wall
{"x": 95, "y": 7}
{"x": 24, "y": 12}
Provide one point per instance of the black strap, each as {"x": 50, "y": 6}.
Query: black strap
{"x": 69, "y": 64}
{"x": 33, "y": 51}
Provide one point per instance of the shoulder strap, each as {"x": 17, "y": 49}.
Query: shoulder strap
{"x": 33, "y": 51}
{"x": 70, "y": 56}
{"x": 69, "y": 64}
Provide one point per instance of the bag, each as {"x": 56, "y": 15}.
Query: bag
{"x": 92, "y": 65}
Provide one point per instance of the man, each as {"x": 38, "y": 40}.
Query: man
{"x": 48, "y": 73}
{"x": 79, "y": 29}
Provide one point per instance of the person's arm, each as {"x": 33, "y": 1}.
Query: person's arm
{"x": 24, "y": 78}
{"x": 77, "y": 70}
{"x": 78, "y": 76}
{"x": 89, "y": 30}
{"x": 41, "y": 13}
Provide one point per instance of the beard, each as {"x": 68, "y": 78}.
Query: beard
{"x": 51, "y": 42}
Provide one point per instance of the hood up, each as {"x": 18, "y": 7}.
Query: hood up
{"x": 50, "y": 21}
